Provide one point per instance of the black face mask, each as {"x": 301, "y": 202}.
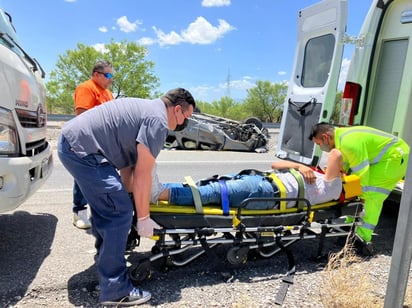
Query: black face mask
{"x": 182, "y": 126}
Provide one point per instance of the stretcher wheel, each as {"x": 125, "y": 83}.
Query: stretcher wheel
{"x": 140, "y": 272}
{"x": 237, "y": 255}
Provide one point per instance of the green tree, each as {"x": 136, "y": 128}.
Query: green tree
{"x": 265, "y": 101}
{"x": 225, "y": 107}
{"x": 336, "y": 109}
{"x": 133, "y": 74}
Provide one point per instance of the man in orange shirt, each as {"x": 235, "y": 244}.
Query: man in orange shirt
{"x": 87, "y": 95}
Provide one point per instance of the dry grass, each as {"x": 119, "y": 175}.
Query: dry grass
{"x": 346, "y": 284}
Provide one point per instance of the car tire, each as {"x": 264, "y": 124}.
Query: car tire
{"x": 254, "y": 120}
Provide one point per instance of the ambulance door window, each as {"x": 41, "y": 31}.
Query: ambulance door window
{"x": 317, "y": 61}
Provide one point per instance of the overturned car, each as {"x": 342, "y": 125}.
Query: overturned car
{"x": 208, "y": 132}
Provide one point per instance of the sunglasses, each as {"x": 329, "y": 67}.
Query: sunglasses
{"x": 107, "y": 75}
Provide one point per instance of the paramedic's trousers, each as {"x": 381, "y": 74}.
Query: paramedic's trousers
{"x": 382, "y": 180}
{"x": 112, "y": 212}
{"x": 238, "y": 189}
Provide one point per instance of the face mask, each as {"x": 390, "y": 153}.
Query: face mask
{"x": 325, "y": 147}
{"x": 182, "y": 126}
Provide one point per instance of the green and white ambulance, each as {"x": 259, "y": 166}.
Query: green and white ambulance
{"x": 378, "y": 86}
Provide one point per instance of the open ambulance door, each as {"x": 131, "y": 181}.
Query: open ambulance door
{"x": 312, "y": 87}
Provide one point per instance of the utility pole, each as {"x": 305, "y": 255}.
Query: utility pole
{"x": 402, "y": 248}
{"x": 228, "y": 85}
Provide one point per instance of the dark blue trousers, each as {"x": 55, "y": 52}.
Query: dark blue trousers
{"x": 112, "y": 212}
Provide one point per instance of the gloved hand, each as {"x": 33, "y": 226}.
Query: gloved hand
{"x": 145, "y": 226}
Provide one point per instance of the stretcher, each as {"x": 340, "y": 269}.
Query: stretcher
{"x": 266, "y": 232}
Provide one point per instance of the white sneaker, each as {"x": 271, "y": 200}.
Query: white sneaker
{"x": 81, "y": 220}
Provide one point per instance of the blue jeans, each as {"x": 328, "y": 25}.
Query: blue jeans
{"x": 239, "y": 189}
{"x": 79, "y": 201}
{"x": 112, "y": 212}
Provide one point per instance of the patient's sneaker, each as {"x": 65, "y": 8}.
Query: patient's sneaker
{"x": 135, "y": 297}
{"x": 81, "y": 219}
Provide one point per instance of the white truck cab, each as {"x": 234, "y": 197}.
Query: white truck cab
{"x": 378, "y": 87}
{"x": 25, "y": 155}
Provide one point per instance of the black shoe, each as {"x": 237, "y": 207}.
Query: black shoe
{"x": 135, "y": 297}
{"x": 363, "y": 248}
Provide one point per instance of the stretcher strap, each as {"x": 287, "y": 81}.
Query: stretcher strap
{"x": 281, "y": 188}
{"x": 195, "y": 193}
{"x": 301, "y": 188}
{"x": 224, "y": 196}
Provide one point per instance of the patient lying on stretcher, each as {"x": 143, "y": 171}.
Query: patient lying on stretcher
{"x": 318, "y": 187}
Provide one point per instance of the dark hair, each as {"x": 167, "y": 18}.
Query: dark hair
{"x": 100, "y": 66}
{"x": 320, "y": 128}
{"x": 180, "y": 96}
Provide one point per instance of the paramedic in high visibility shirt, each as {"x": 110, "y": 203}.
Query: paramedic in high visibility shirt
{"x": 377, "y": 157}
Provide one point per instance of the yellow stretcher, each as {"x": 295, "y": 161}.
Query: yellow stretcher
{"x": 265, "y": 231}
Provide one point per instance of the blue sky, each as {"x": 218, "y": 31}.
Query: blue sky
{"x": 202, "y": 45}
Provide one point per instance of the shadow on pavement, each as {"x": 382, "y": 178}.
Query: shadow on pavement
{"x": 25, "y": 241}
{"x": 82, "y": 288}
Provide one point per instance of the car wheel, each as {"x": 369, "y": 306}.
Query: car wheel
{"x": 254, "y": 120}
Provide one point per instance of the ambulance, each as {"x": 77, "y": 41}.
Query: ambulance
{"x": 25, "y": 155}
{"x": 378, "y": 86}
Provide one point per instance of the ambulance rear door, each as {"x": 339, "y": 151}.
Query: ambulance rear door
{"x": 312, "y": 87}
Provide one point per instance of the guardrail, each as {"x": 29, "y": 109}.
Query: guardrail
{"x": 66, "y": 117}
{"x": 60, "y": 117}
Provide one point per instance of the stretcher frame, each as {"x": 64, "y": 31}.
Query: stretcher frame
{"x": 265, "y": 231}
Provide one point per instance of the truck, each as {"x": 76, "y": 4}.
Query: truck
{"x": 26, "y": 159}
{"x": 377, "y": 91}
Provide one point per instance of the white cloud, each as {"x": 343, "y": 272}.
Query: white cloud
{"x": 126, "y": 26}
{"x": 202, "y": 32}
{"x": 241, "y": 84}
{"x": 198, "y": 32}
{"x": 211, "y": 3}
{"x": 70, "y": 0}
{"x": 146, "y": 41}
{"x": 281, "y": 73}
{"x": 171, "y": 38}
{"x": 103, "y": 29}
{"x": 206, "y": 92}
{"x": 100, "y": 47}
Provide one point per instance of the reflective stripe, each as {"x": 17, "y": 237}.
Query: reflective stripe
{"x": 381, "y": 152}
{"x": 367, "y": 226}
{"x": 366, "y": 130}
{"x": 376, "y": 189}
{"x": 224, "y": 197}
{"x": 359, "y": 167}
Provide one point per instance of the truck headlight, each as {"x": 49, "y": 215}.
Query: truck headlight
{"x": 8, "y": 133}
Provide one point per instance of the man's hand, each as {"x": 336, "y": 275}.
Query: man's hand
{"x": 145, "y": 226}
{"x": 308, "y": 174}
